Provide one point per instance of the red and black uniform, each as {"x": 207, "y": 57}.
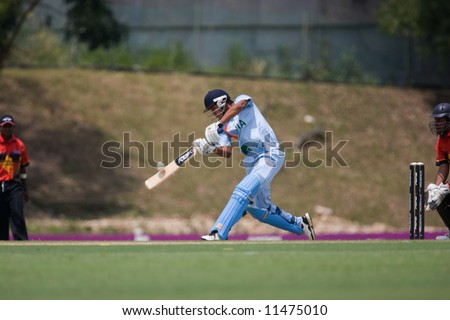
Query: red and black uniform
{"x": 443, "y": 149}
{"x": 13, "y": 157}
{"x": 443, "y": 157}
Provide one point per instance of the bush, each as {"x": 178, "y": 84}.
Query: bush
{"x": 40, "y": 48}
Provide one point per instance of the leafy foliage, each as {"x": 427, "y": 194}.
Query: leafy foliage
{"x": 92, "y": 22}
{"x": 44, "y": 48}
{"x": 9, "y": 13}
{"x": 89, "y": 21}
{"x": 426, "y": 21}
{"x": 12, "y": 16}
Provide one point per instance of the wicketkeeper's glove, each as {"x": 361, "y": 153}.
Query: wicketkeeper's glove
{"x": 436, "y": 194}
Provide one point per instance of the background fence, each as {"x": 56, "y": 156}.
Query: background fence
{"x": 309, "y": 39}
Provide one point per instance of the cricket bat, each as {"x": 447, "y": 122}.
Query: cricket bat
{"x": 170, "y": 169}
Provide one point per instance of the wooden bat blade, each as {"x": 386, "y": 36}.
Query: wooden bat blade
{"x": 170, "y": 169}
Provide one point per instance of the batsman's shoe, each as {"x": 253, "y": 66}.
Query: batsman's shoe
{"x": 308, "y": 227}
{"x": 213, "y": 236}
{"x": 444, "y": 237}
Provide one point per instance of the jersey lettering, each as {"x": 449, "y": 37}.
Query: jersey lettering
{"x": 240, "y": 124}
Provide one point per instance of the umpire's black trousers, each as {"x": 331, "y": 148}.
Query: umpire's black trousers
{"x": 11, "y": 210}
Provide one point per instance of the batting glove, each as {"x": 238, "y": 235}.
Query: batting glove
{"x": 203, "y": 146}
{"x": 212, "y": 132}
{"x": 436, "y": 194}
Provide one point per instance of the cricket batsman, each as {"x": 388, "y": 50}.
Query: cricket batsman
{"x": 438, "y": 192}
{"x": 241, "y": 120}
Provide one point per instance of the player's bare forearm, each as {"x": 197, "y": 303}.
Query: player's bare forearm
{"x": 223, "y": 151}
{"x": 442, "y": 173}
{"x": 233, "y": 111}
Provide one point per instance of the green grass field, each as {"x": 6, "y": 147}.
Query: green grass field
{"x": 226, "y": 270}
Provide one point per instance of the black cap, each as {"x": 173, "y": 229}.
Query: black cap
{"x": 5, "y": 119}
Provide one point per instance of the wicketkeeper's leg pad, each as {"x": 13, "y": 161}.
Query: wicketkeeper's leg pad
{"x": 444, "y": 211}
{"x": 237, "y": 205}
{"x": 279, "y": 219}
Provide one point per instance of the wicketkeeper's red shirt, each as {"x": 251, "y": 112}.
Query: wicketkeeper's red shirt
{"x": 443, "y": 149}
{"x": 13, "y": 155}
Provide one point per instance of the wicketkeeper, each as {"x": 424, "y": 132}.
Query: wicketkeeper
{"x": 438, "y": 192}
{"x": 242, "y": 120}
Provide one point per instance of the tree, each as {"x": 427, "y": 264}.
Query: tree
{"x": 89, "y": 21}
{"x": 427, "y": 22}
{"x": 93, "y": 23}
{"x": 13, "y": 14}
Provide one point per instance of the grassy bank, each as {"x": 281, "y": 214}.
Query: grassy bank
{"x": 67, "y": 116}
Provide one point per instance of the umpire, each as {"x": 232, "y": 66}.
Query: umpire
{"x": 13, "y": 191}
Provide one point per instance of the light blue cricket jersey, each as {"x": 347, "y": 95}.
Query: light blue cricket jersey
{"x": 255, "y": 136}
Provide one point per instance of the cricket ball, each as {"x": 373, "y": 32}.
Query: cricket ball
{"x": 160, "y": 166}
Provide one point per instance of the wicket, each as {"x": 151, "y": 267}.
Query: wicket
{"x": 416, "y": 200}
